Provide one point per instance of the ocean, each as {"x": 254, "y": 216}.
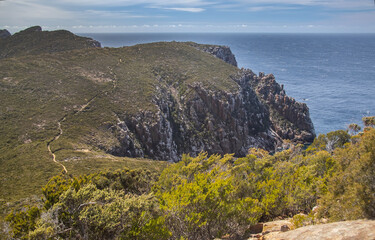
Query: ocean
{"x": 334, "y": 74}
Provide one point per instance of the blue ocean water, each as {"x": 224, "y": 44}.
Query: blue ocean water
{"x": 334, "y": 74}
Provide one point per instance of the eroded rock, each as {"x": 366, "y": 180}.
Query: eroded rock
{"x": 291, "y": 119}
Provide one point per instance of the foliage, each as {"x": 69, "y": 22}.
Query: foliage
{"x": 210, "y": 196}
{"x": 330, "y": 141}
{"x": 54, "y": 188}
{"x": 103, "y": 205}
{"x": 301, "y": 220}
{"x": 351, "y": 193}
{"x": 206, "y": 197}
{"x": 200, "y": 194}
{"x": 23, "y": 222}
{"x": 369, "y": 121}
{"x": 91, "y": 213}
{"x": 353, "y": 128}
{"x": 136, "y": 181}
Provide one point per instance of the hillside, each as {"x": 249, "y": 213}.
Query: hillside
{"x": 34, "y": 41}
{"x": 95, "y": 108}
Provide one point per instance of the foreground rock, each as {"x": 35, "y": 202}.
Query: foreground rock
{"x": 353, "y": 230}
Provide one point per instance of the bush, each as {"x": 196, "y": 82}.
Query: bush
{"x": 200, "y": 199}
{"x": 351, "y": 192}
{"x": 23, "y": 222}
{"x": 330, "y": 141}
{"x": 91, "y": 213}
{"x": 210, "y": 197}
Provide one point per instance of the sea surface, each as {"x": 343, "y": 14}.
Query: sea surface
{"x": 334, "y": 74}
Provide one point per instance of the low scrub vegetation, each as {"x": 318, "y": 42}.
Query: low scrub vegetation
{"x": 207, "y": 197}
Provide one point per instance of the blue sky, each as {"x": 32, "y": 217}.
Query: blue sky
{"x": 190, "y": 15}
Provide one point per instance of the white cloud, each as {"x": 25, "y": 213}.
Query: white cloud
{"x": 112, "y": 14}
{"x": 94, "y": 15}
{"x": 269, "y": 8}
{"x": 17, "y": 11}
{"x": 194, "y": 10}
{"x": 339, "y": 4}
{"x": 137, "y": 2}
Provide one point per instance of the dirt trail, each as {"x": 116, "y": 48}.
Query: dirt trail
{"x": 54, "y": 139}
{"x": 79, "y": 111}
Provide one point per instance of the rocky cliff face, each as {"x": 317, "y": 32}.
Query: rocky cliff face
{"x": 222, "y": 52}
{"x": 215, "y": 122}
{"x": 290, "y": 119}
{"x": 259, "y": 114}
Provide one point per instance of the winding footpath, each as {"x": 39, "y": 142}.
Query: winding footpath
{"x": 79, "y": 111}
{"x": 54, "y": 139}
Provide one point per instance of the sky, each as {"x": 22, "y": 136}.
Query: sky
{"x": 279, "y": 16}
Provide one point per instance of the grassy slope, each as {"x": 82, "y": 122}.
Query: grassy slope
{"x": 37, "y": 91}
{"x": 31, "y": 42}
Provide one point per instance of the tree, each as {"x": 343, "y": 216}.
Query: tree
{"x": 369, "y": 121}
{"x": 353, "y": 129}
{"x": 351, "y": 190}
{"x": 329, "y": 141}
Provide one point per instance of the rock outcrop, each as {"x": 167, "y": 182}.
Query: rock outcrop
{"x": 353, "y": 230}
{"x": 222, "y": 52}
{"x": 290, "y": 119}
{"x": 4, "y": 33}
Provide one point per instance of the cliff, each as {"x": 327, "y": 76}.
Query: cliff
{"x": 66, "y": 100}
{"x": 217, "y": 122}
{"x": 222, "y": 52}
{"x": 290, "y": 119}
{"x": 257, "y": 114}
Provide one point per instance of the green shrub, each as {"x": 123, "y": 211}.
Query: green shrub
{"x": 23, "y": 222}
{"x": 351, "y": 193}
{"x": 199, "y": 198}
{"x": 207, "y": 197}
{"x": 330, "y": 141}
